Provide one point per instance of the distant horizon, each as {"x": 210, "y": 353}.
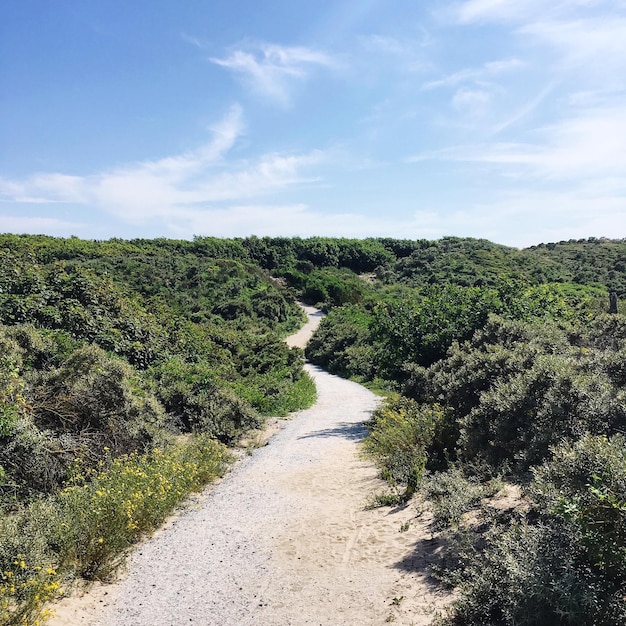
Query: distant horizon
{"x": 484, "y": 118}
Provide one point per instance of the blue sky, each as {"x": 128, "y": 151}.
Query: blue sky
{"x": 412, "y": 119}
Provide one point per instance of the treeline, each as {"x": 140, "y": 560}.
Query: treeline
{"x": 459, "y": 261}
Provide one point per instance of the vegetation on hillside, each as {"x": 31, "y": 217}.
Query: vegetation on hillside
{"x": 502, "y": 381}
{"x": 127, "y": 366}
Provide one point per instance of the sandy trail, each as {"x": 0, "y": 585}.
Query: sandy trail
{"x": 285, "y": 539}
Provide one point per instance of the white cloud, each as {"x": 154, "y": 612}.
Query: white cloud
{"x": 519, "y": 10}
{"x": 597, "y": 46}
{"x": 167, "y": 188}
{"x": 494, "y": 10}
{"x": 270, "y": 69}
{"x": 406, "y": 55}
{"x": 476, "y": 74}
{"x": 472, "y": 101}
{"x": 524, "y": 111}
{"x": 590, "y": 145}
{"x": 274, "y": 220}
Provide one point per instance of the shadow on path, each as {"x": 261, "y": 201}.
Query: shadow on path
{"x": 347, "y": 430}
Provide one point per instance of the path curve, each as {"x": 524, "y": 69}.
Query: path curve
{"x": 285, "y": 539}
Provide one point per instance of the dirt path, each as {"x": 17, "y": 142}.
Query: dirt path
{"x": 285, "y": 539}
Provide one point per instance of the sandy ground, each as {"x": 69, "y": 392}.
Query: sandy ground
{"x": 285, "y": 539}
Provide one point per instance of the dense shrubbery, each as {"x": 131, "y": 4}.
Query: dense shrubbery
{"x": 110, "y": 354}
{"x": 409, "y": 327}
{"x": 506, "y": 365}
{"x": 545, "y": 396}
{"x": 341, "y": 344}
{"x": 525, "y": 380}
{"x": 401, "y": 434}
{"x": 565, "y": 564}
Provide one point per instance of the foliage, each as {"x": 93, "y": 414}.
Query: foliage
{"x": 195, "y": 401}
{"x": 452, "y": 494}
{"x": 401, "y": 433}
{"x": 103, "y": 514}
{"x": 536, "y": 575}
{"x": 12, "y": 401}
{"x": 87, "y": 306}
{"x": 116, "y": 347}
{"x": 566, "y": 564}
{"x": 342, "y": 343}
{"x": 28, "y": 574}
{"x": 420, "y": 327}
{"x": 585, "y": 484}
{"x": 478, "y": 262}
{"x": 86, "y": 529}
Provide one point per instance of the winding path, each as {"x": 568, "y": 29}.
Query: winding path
{"x": 285, "y": 539}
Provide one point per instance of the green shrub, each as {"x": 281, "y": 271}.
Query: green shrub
{"x": 95, "y": 394}
{"x": 453, "y": 494}
{"x": 12, "y": 401}
{"x": 536, "y": 575}
{"x": 86, "y": 529}
{"x": 585, "y": 483}
{"x": 565, "y": 563}
{"x": 519, "y": 419}
{"x": 192, "y": 397}
{"x": 34, "y": 462}
{"x": 342, "y": 345}
{"x": 101, "y": 518}
{"x": 401, "y": 432}
{"x": 28, "y": 574}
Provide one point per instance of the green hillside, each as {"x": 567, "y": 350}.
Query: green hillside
{"x": 127, "y": 368}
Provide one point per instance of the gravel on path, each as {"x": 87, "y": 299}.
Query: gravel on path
{"x": 286, "y": 538}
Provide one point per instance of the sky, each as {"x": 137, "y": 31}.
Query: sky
{"x": 497, "y": 119}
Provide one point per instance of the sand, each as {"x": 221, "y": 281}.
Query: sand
{"x": 284, "y": 539}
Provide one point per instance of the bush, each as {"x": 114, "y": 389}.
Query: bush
{"x": 565, "y": 563}
{"x": 28, "y": 574}
{"x": 401, "y": 432}
{"x": 194, "y": 400}
{"x": 585, "y": 484}
{"x": 519, "y": 419}
{"x": 101, "y": 518}
{"x": 35, "y": 462}
{"x": 453, "y": 494}
{"x": 86, "y": 529}
{"x": 98, "y": 396}
{"x": 341, "y": 343}
{"x": 536, "y": 575}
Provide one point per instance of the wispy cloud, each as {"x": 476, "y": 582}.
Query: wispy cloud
{"x": 589, "y": 145}
{"x": 170, "y": 187}
{"x": 494, "y": 10}
{"x": 404, "y": 55}
{"x": 519, "y": 10}
{"x": 192, "y": 40}
{"x": 583, "y": 43}
{"x": 524, "y": 111}
{"x": 270, "y": 69}
{"x": 519, "y": 217}
{"x": 476, "y": 74}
